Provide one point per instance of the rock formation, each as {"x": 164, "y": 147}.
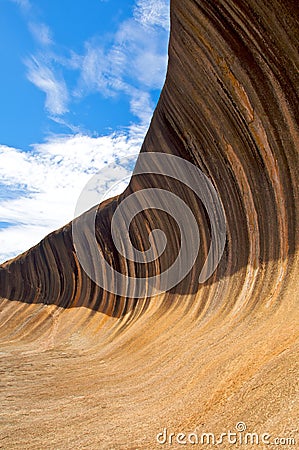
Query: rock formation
{"x": 84, "y": 367}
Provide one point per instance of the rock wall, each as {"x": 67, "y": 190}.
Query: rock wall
{"x": 199, "y": 356}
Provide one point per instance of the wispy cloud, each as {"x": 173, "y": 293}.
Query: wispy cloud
{"x": 40, "y": 69}
{"x": 40, "y": 188}
{"x": 144, "y": 53}
{"x": 43, "y": 77}
{"x": 135, "y": 62}
{"x": 141, "y": 105}
{"x": 153, "y": 13}
{"x": 41, "y": 33}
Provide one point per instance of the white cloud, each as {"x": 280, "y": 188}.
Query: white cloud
{"x": 41, "y": 33}
{"x": 141, "y": 106}
{"x": 153, "y": 12}
{"x": 48, "y": 182}
{"x": 55, "y": 89}
{"x": 73, "y": 128}
{"x": 16, "y": 239}
{"x": 134, "y": 64}
{"x": 144, "y": 54}
{"x": 25, "y": 5}
{"x": 41, "y": 187}
{"x": 96, "y": 75}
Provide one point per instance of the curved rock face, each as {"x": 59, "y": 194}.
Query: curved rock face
{"x": 196, "y": 357}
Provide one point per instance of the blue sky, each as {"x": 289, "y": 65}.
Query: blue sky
{"x": 78, "y": 85}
